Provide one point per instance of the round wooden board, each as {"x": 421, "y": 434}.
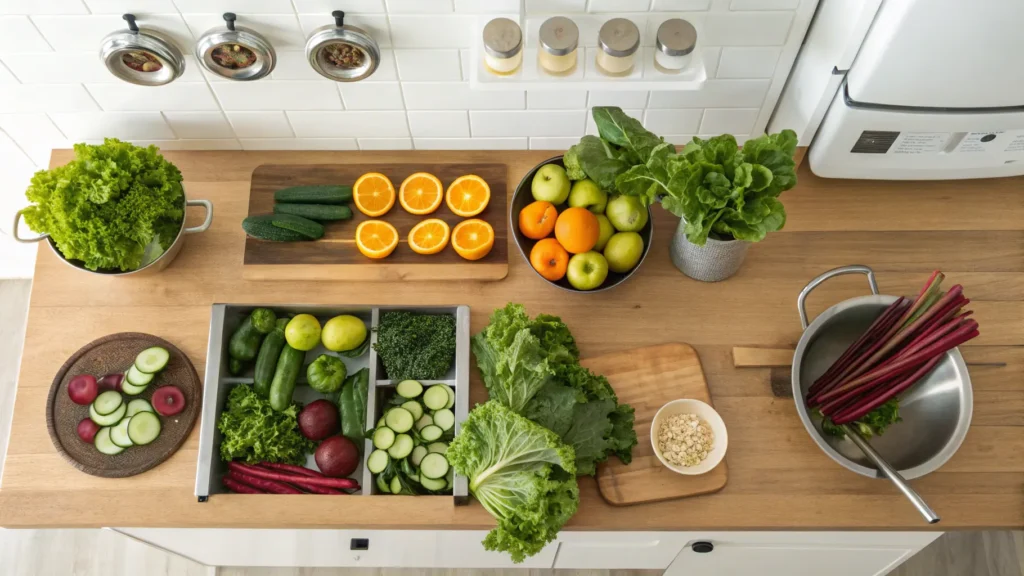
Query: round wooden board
{"x": 110, "y": 354}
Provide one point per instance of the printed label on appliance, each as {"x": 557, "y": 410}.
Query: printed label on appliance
{"x": 1016, "y": 141}
{"x": 919, "y": 142}
{"x": 981, "y": 142}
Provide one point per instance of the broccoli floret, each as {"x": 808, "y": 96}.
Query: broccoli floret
{"x": 572, "y": 165}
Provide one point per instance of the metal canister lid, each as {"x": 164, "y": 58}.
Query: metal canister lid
{"x": 619, "y": 37}
{"x": 502, "y": 38}
{"x": 676, "y": 37}
{"x": 559, "y": 36}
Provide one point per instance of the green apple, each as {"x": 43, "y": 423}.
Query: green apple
{"x": 627, "y": 213}
{"x": 586, "y": 194}
{"x": 606, "y": 232}
{"x": 587, "y": 270}
{"x": 550, "y": 184}
{"x": 623, "y": 251}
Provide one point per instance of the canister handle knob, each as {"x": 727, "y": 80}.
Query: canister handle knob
{"x": 132, "y": 26}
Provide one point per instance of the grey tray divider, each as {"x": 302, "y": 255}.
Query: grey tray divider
{"x": 460, "y": 488}
{"x": 371, "y": 403}
{"x": 214, "y": 396}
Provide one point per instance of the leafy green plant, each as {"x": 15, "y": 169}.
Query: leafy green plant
{"x": 416, "y": 346}
{"x": 720, "y": 190}
{"x": 254, "y": 432}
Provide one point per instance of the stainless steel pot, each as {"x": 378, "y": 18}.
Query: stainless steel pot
{"x": 152, "y": 267}
{"x": 936, "y": 412}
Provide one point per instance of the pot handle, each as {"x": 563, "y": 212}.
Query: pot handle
{"x": 854, "y": 269}
{"x": 209, "y": 216}
{"x": 14, "y": 231}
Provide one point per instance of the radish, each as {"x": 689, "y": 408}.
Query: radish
{"x": 111, "y": 382}
{"x": 168, "y": 400}
{"x": 83, "y": 389}
{"x": 87, "y": 430}
{"x": 343, "y": 483}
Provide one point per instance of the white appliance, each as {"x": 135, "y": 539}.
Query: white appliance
{"x": 918, "y": 89}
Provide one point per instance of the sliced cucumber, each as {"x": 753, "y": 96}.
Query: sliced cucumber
{"x": 136, "y": 377}
{"x": 451, "y": 397}
{"x": 138, "y": 405}
{"x": 143, "y": 428}
{"x": 414, "y": 408}
{"x": 380, "y": 422}
{"x": 424, "y": 421}
{"x": 436, "y": 397}
{"x": 152, "y": 360}
{"x": 108, "y": 402}
{"x": 402, "y": 447}
{"x": 383, "y": 438}
{"x": 396, "y": 485}
{"x": 407, "y": 469}
{"x": 431, "y": 433}
{"x": 104, "y": 445}
{"x": 433, "y": 466}
{"x": 382, "y": 485}
{"x": 432, "y": 484}
{"x": 417, "y": 455}
{"x": 450, "y": 476}
{"x": 131, "y": 389}
{"x": 377, "y": 461}
{"x": 438, "y": 448}
{"x": 107, "y": 419}
{"x": 409, "y": 389}
{"x": 119, "y": 434}
{"x": 399, "y": 419}
{"x": 444, "y": 419}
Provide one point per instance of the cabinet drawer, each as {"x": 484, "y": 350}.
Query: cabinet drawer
{"x": 728, "y": 559}
{"x": 622, "y": 550}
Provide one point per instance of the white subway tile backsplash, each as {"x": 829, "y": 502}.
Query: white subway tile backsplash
{"x": 35, "y": 134}
{"x": 621, "y": 98}
{"x": 555, "y": 6}
{"x": 372, "y": 96}
{"x": 197, "y": 144}
{"x": 487, "y": 6}
{"x": 384, "y": 143}
{"x": 42, "y": 7}
{"x": 299, "y": 144}
{"x": 199, "y": 125}
{"x": 428, "y": 65}
{"x": 436, "y": 124}
{"x": 711, "y": 57}
{"x": 241, "y": 8}
{"x": 293, "y": 65}
{"x": 618, "y": 5}
{"x": 419, "y": 6}
{"x": 6, "y": 77}
{"x": 527, "y": 123}
{"x": 458, "y": 96}
{"x": 174, "y": 96}
{"x": 85, "y": 33}
{"x": 497, "y": 100}
{"x": 260, "y": 124}
{"x": 17, "y": 34}
{"x": 679, "y": 121}
{"x": 679, "y": 5}
{"x": 376, "y": 25}
{"x": 351, "y": 6}
{"x": 432, "y": 31}
{"x": 718, "y": 93}
{"x": 281, "y": 30}
{"x": 592, "y": 126}
{"x": 556, "y": 99}
{"x": 386, "y": 70}
{"x": 747, "y": 28}
{"x": 46, "y": 98}
{"x": 128, "y": 6}
{"x": 15, "y": 166}
{"x": 359, "y": 124}
{"x": 553, "y": 143}
{"x": 44, "y": 67}
{"x": 275, "y": 95}
{"x": 747, "y": 62}
{"x": 764, "y": 4}
{"x": 728, "y": 121}
{"x": 124, "y": 125}
{"x": 470, "y": 143}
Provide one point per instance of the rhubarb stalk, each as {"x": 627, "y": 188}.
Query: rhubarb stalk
{"x": 881, "y": 397}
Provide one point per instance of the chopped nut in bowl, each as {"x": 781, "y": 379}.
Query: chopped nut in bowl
{"x": 688, "y": 436}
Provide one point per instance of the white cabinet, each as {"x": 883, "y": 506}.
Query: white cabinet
{"x": 619, "y": 550}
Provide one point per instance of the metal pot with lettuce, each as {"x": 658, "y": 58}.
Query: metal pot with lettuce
{"x": 116, "y": 209}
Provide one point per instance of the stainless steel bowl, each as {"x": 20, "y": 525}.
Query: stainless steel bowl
{"x": 936, "y": 412}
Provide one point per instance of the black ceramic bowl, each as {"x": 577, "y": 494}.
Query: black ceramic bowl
{"x": 524, "y": 196}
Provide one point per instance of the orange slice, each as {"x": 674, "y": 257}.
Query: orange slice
{"x": 420, "y": 193}
{"x": 376, "y": 239}
{"x": 473, "y": 239}
{"x": 429, "y": 236}
{"x": 468, "y": 195}
{"x": 373, "y": 194}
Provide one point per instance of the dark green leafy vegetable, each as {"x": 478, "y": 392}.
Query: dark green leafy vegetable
{"x": 874, "y": 423}
{"x": 326, "y": 374}
{"x": 352, "y": 406}
{"x": 254, "y": 432}
{"x": 416, "y": 346}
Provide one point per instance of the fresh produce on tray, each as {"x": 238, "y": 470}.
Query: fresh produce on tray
{"x": 245, "y": 341}
{"x": 277, "y": 478}
{"x": 326, "y": 374}
{"x": 899, "y": 349}
{"x": 352, "y": 405}
{"x": 416, "y": 346}
{"x": 343, "y": 334}
{"x": 252, "y": 431}
{"x": 318, "y": 420}
{"x": 266, "y": 359}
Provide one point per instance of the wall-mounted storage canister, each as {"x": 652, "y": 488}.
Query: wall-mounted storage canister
{"x": 503, "y": 46}
{"x": 559, "y": 38}
{"x": 141, "y": 57}
{"x": 235, "y": 52}
{"x": 342, "y": 52}
{"x": 617, "y": 42}
{"x": 676, "y": 41}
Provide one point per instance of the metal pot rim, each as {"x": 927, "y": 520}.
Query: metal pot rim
{"x": 266, "y": 57}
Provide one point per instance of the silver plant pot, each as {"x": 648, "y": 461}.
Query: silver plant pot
{"x": 715, "y": 261}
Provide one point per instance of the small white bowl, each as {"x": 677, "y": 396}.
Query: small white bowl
{"x": 705, "y": 413}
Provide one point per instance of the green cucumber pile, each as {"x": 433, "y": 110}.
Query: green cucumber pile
{"x": 299, "y": 211}
{"x": 411, "y": 439}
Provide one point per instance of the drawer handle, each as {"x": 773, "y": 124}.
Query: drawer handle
{"x": 360, "y": 544}
{"x": 702, "y": 547}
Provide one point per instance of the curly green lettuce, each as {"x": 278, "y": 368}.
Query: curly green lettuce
{"x": 254, "y": 432}
{"x": 108, "y": 205}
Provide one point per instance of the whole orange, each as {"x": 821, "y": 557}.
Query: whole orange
{"x": 577, "y": 230}
{"x": 537, "y": 220}
{"x": 550, "y": 259}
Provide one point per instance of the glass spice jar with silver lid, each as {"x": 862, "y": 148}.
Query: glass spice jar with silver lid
{"x": 675, "y": 43}
{"x": 618, "y": 41}
{"x": 503, "y": 46}
{"x": 559, "y": 39}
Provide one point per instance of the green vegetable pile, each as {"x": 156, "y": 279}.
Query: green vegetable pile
{"x": 254, "y": 432}
{"x": 873, "y": 423}
{"x": 416, "y": 346}
{"x": 720, "y": 190}
{"x": 108, "y": 205}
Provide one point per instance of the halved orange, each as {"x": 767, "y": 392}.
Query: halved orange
{"x": 429, "y": 236}
{"x": 376, "y": 239}
{"x": 468, "y": 195}
{"x": 420, "y": 193}
{"x": 373, "y": 194}
{"x": 473, "y": 239}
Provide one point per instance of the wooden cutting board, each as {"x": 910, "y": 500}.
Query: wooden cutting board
{"x": 647, "y": 379}
{"x": 335, "y": 256}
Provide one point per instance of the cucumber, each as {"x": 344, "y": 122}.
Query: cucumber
{"x": 396, "y": 485}
{"x": 438, "y": 448}
{"x": 436, "y": 397}
{"x": 152, "y": 360}
{"x": 383, "y": 438}
{"x": 119, "y": 434}
{"x": 381, "y": 422}
{"x": 107, "y": 419}
{"x": 107, "y": 402}
{"x": 431, "y": 433}
{"x": 131, "y": 389}
{"x": 262, "y": 228}
{"x": 414, "y": 408}
{"x": 266, "y": 359}
{"x": 235, "y": 366}
{"x": 451, "y": 397}
{"x": 104, "y": 444}
{"x": 245, "y": 341}
{"x": 450, "y": 477}
{"x": 444, "y": 419}
{"x": 143, "y": 428}
{"x": 382, "y": 485}
{"x": 417, "y": 455}
{"x": 377, "y": 461}
{"x": 409, "y": 389}
{"x": 399, "y": 420}
{"x": 432, "y": 484}
{"x": 304, "y": 226}
{"x": 408, "y": 471}
{"x": 315, "y": 211}
{"x": 138, "y": 405}
{"x": 433, "y": 466}
{"x": 402, "y": 447}
{"x": 286, "y": 373}
{"x": 136, "y": 377}
{"x": 317, "y": 194}
{"x": 424, "y": 421}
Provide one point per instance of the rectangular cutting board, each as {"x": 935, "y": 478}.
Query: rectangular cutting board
{"x": 647, "y": 379}
{"x": 336, "y": 257}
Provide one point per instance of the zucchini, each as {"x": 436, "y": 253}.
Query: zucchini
{"x": 245, "y": 341}
{"x": 107, "y": 402}
{"x": 436, "y": 397}
{"x": 262, "y": 228}
{"x": 119, "y": 433}
{"x": 414, "y": 408}
{"x": 417, "y": 455}
{"x": 433, "y": 466}
{"x": 451, "y": 397}
{"x": 438, "y": 447}
{"x": 286, "y": 373}
{"x": 401, "y": 448}
{"x": 444, "y": 419}
{"x": 304, "y": 226}
{"x": 383, "y": 438}
{"x": 431, "y": 433}
{"x": 317, "y": 194}
{"x": 143, "y": 428}
{"x": 131, "y": 389}
{"x": 266, "y": 360}
{"x": 378, "y": 461}
{"x": 136, "y": 406}
{"x": 399, "y": 420}
{"x": 107, "y": 419}
{"x": 409, "y": 389}
{"x": 432, "y": 484}
{"x": 424, "y": 421}
{"x": 315, "y": 211}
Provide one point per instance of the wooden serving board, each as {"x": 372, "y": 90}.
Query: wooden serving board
{"x": 647, "y": 379}
{"x": 336, "y": 257}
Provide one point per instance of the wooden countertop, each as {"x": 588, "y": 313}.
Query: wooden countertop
{"x": 972, "y": 230}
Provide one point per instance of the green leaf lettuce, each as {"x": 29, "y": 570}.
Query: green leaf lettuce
{"x": 254, "y": 432}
